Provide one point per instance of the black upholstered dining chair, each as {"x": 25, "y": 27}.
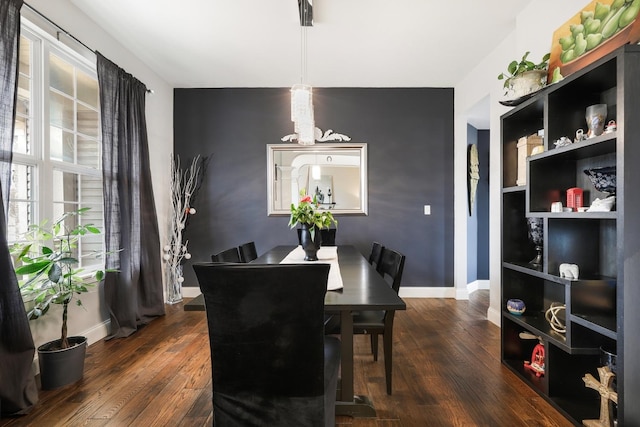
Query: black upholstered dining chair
{"x": 380, "y": 322}
{"x": 228, "y": 255}
{"x": 328, "y": 236}
{"x": 248, "y": 252}
{"x": 376, "y": 253}
{"x": 272, "y": 365}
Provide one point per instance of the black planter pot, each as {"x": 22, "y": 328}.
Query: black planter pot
{"x": 310, "y": 246}
{"x": 61, "y": 367}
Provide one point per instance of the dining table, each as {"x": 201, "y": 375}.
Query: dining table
{"x": 361, "y": 288}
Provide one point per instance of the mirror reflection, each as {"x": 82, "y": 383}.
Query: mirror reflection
{"x": 335, "y": 173}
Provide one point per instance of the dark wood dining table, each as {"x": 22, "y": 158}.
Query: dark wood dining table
{"x": 363, "y": 289}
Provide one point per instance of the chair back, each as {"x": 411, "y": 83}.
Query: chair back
{"x": 248, "y": 252}
{"x": 376, "y": 253}
{"x": 228, "y": 255}
{"x": 266, "y": 338}
{"x": 328, "y": 236}
{"x": 391, "y": 266}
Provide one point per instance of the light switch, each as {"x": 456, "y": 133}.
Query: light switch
{"x": 427, "y": 209}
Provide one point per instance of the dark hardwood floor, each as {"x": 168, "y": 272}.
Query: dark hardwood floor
{"x": 447, "y": 372}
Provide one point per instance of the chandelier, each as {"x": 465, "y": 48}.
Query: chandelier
{"x": 302, "y": 94}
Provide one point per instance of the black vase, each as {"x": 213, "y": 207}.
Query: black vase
{"x": 310, "y": 245}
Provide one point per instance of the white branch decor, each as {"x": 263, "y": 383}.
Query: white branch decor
{"x": 184, "y": 184}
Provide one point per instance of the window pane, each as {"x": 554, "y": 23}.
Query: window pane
{"x": 21, "y": 182}
{"x": 91, "y": 197}
{"x": 60, "y": 111}
{"x": 21, "y": 137}
{"x": 60, "y": 75}
{"x": 25, "y": 56}
{"x": 19, "y": 217}
{"x": 20, "y": 212}
{"x": 65, "y": 188}
{"x": 61, "y": 145}
{"x": 87, "y": 121}
{"x": 22, "y": 105}
{"x": 88, "y": 152}
{"x": 87, "y": 89}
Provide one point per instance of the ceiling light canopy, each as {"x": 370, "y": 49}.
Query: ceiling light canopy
{"x": 305, "y": 7}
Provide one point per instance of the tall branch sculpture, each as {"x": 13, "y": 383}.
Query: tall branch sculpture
{"x": 184, "y": 186}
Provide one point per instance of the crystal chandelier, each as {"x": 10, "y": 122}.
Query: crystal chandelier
{"x": 302, "y": 94}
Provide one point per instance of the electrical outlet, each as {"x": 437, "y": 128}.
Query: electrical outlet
{"x": 427, "y": 209}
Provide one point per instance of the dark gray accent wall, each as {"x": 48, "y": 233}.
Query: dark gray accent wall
{"x": 409, "y": 132}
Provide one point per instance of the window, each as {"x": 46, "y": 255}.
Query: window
{"x": 57, "y": 141}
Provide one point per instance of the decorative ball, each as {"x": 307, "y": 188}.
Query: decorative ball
{"x": 192, "y": 211}
{"x": 180, "y": 279}
{"x": 516, "y": 306}
{"x": 166, "y": 248}
{"x": 166, "y": 257}
{"x": 187, "y": 256}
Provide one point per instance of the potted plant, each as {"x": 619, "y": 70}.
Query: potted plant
{"x": 46, "y": 265}
{"x": 525, "y": 77}
{"x": 311, "y": 219}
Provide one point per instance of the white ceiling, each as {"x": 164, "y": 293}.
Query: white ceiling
{"x": 353, "y": 43}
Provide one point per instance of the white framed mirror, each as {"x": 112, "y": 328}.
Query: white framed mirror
{"x": 335, "y": 173}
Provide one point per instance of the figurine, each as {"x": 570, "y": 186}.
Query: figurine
{"x": 580, "y": 136}
{"x": 602, "y": 205}
{"x": 611, "y": 127}
{"x": 569, "y": 271}
{"x": 562, "y": 142}
{"x": 537, "y": 360}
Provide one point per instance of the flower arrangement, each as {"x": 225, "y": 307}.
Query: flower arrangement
{"x": 307, "y": 212}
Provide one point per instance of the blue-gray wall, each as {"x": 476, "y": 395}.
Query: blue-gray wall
{"x": 409, "y": 132}
{"x": 483, "y": 206}
{"x": 478, "y": 221}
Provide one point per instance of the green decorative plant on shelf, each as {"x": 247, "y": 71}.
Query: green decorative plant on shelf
{"x": 533, "y": 74}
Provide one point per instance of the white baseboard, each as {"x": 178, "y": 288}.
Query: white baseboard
{"x": 493, "y": 316}
{"x": 191, "y": 292}
{"x": 97, "y": 332}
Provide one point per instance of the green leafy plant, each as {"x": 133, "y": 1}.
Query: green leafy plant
{"x": 307, "y": 212}
{"x": 516, "y": 68}
{"x": 46, "y": 266}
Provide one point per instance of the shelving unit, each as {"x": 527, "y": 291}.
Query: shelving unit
{"x": 601, "y": 306}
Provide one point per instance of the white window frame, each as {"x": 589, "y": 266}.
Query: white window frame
{"x": 42, "y": 45}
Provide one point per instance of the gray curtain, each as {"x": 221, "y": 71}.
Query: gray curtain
{"x": 18, "y": 391}
{"x": 134, "y": 294}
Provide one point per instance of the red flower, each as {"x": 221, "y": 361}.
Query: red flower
{"x": 306, "y": 199}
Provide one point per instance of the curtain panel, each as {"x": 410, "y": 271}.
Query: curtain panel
{"x": 134, "y": 293}
{"x": 18, "y": 390}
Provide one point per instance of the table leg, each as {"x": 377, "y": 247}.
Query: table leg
{"x": 347, "y": 403}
